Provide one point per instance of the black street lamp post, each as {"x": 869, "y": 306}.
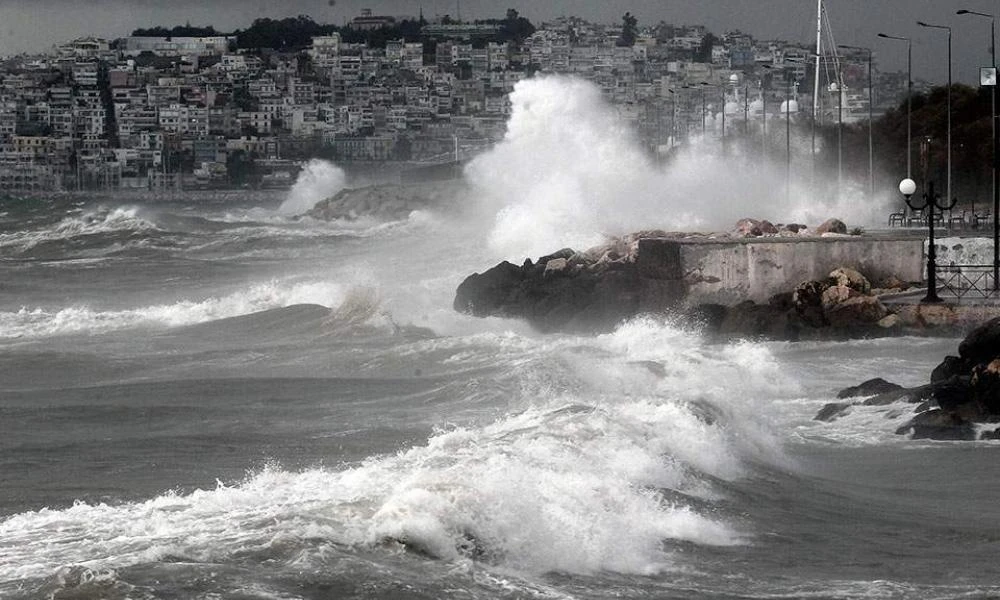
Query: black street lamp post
{"x": 996, "y": 150}
{"x": 948, "y": 29}
{"x": 932, "y": 201}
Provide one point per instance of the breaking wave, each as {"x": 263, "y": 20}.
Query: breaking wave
{"x": 569, "y": 172}
{"x": 606, "y": 471}
{"x": 40, "y": 322}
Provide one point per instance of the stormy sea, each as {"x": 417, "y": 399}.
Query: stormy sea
{"x": 212, "y": 396}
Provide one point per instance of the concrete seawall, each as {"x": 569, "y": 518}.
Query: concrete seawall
{"x": 732, "y": 271}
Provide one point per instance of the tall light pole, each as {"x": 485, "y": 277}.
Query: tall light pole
{"x": 706, "y": 84}
{"x": 948, "y": 29}
{"x": 909, "y": 100}
{"x": 673, "y": 117}
{"x": 788, "y": 126}
{"x": 996, "y": 150}
{"x": 763, "y": 115}
{"x": 871, "y": 102}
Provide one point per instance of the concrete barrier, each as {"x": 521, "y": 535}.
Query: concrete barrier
{"x": 731, "y": 271}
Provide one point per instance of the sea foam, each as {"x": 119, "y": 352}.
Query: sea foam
{"x": 318, "y": 180}
{"x": 582, "y": 478}
{"x": 41, "y": 322}
{"x": 569, "y": 171}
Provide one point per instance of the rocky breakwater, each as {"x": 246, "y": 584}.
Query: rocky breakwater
{"x": 384, "y": 202}
{"x": 644, "y": 272}
{"x": 573, "y": 291}
{"x": 961, "y": 401}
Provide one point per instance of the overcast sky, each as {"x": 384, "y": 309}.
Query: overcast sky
{"x": 34, "y": 25}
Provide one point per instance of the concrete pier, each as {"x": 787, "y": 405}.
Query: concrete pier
{"x": 728, "y": 272}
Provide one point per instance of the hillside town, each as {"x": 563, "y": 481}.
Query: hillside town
{"x": 215, "y": 111}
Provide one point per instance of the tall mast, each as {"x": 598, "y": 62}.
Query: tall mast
{"x": 819, "y": 54}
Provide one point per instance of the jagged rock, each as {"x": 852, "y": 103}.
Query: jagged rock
{"x": 893, "y": 283}
{"x": 832, "y": 411}
{"x": 807, "y": 299}
{"x": 836, "y": 294}
{"x": 949, "y": 367}
{"x": 831, "y": 226}
{"x": 383, "y": 201}
{"x": 555, "y": 265}
{"x": 564, "y": 253}
{"x": 939, "y": 425}
{"x": 748, "y": 228}
{"x": 963, "y": 391}
{"x": 856, "y": 311}
{"x": 871, "y": 387}
{"x": 767, "y": 228}
{"x": 982, "y": 344}
{"x": 890, "y": 321}
{"x": 851, "y": 278}
{"x": 568, "y": 291}
{"x": 985, "y": 385}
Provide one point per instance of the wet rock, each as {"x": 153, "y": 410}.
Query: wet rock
{"x": 981, "y": 344}
{"x": 891, "y": 321}
{"x": 767, "y": 228}
{"x": 807, "y": 299}
{"x": 832, "y": 411}
{"x": 856, "y": 311}
{"x": 748, "y": 228}
{"x": 949, "y": 367}
{"x": 893, "y": 283}
{"x": 831, "y": 226}
{"x": 939, "y": 425}
{"x": 985, "y": 385}
{"x": 847, "y": 277}
{"x": 872, "y": 387}
{"x": 555, "y": 265}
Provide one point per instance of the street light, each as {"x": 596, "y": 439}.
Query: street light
{"x": 839, "y": 88}
{"x": 871, "y": 102}
{"x": 788, "y": 126}
{"x": 909, "y": 99}
{"x": 722, "y": 88}
{"x": 996, "y": 151}
{"x": 948, "y": 29}
{"x": 931, "y": 201}
{"x": 673, "y": 117}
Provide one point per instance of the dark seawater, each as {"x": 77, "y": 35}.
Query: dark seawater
{"x": 202, "y": 398}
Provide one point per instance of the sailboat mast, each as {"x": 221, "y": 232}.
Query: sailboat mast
{"x": 819, "y": 54}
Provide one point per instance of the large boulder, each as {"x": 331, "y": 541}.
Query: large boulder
{"x": 982, "y": 344}
{"x": 807, "y": 299}
{"x": 831, "y": 226}
{"x": 748, "y": 228}
{"x": 872, "y": 387}
{"x": 856, "y": 311}
{"x": 567, "y": 290}
{"x": 962, "y": 396}
{"x": 852, "y": 279}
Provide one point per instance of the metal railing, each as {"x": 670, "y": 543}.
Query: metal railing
{"x": 960, "y": 281}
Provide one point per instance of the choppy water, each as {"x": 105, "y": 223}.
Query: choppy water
{"x": 209, "y": 400}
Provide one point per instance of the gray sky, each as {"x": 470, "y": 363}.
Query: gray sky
{"x": 33, "y": 25}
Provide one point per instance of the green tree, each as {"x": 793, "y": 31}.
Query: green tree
{"x": 630, "y": 30}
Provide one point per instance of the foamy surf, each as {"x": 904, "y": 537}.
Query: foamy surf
{"x": 101, "y": 221}
{"x": 569, "y": 172}
{"x": 581, "y": 475}
{"x": 42, "y": 322}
